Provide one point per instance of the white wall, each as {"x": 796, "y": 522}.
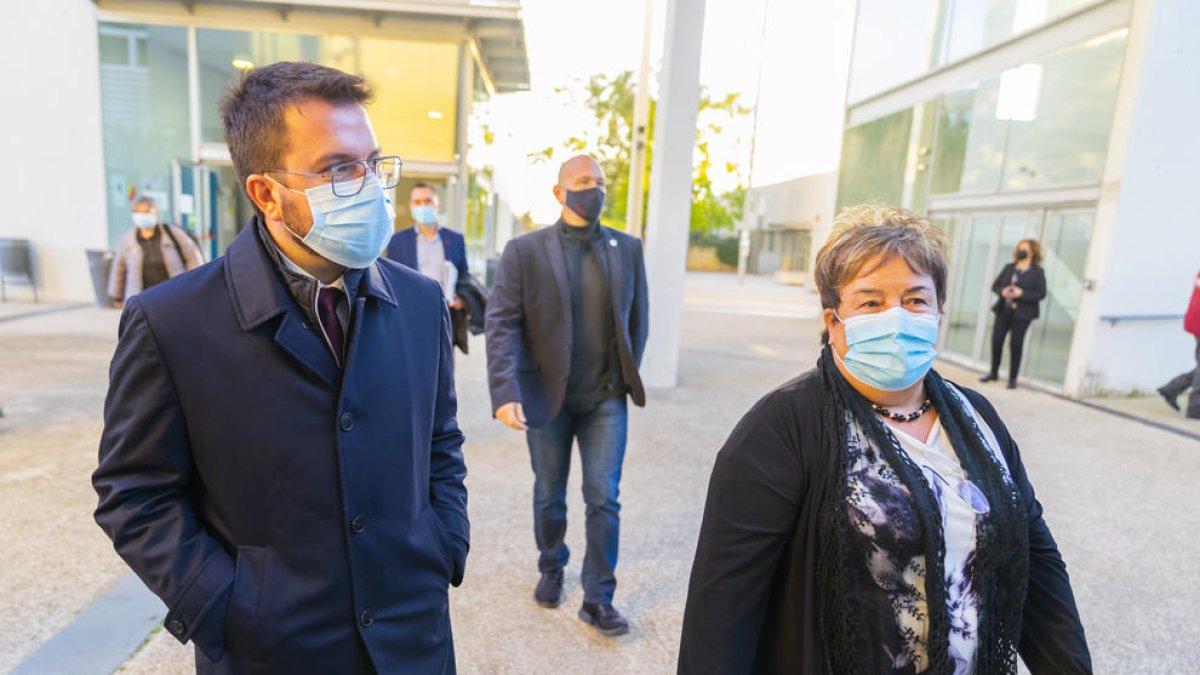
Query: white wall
{"x": 1154, "y": 252}
{"x": 51, "y": 150}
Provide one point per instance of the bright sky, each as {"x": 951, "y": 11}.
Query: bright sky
{"x": 804, "y": 58}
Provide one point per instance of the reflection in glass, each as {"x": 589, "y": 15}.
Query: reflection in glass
{"x": 969, "y": 150}
{"x": 1065, "y": 139}
{"x": 1038, "y": 125}
{"x": 144, "y": 115}
{"x": 893, "y": 43}
{"x": 224, "y": 54}
{"x": 966, "y": 298}
{"x": 873, "y": 160}
{"x": 975, "y": 25}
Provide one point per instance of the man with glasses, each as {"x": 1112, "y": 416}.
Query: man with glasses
{"x": 280, "y": 461}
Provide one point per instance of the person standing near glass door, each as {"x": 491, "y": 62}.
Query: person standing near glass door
{"x": 150, "y": 253}
{"x": 1021, "y": 286}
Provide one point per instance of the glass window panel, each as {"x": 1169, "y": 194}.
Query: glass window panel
{"x": 114, "y": 48}
{"x": 873, "y": 160}
{"x": 969, "y": 150}
{"x": 893, "y": 43}
{"x": 975, "y": 25}
{"x": 415, "y": 112}
{"x": 966, "y": 298}
{"x": 920, "y": 174}
{"x": 1066, "y": 139}
{"x": 144, "y": 113}
{"x": 222, "y": 54}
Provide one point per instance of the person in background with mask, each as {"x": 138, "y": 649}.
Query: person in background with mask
{"x": 280, "y": 461}
{"x": 566, "y": 327}
{"x": 1172, "y": 390}
{"x": 427, "y": 246}
{"x": 149, "y": 254}
{"x": 869, "y": 516}
{"x": 1021, "y": 285}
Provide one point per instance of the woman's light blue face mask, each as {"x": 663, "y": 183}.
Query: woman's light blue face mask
{"x": 890, "y": 350}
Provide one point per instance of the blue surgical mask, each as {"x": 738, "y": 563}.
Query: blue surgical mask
{"x": 890, "y": 350}
{"x": 425, "y": 215}
{"x": 350, "y": 231}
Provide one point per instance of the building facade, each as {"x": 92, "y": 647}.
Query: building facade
{"x": 126, "y": 91}
{"x": 1066, "y": 121}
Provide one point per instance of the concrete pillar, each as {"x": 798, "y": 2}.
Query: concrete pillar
{"x": 669, "y": 211}
{"x": 457, "y": 186}
{"x": 641, "y": 121}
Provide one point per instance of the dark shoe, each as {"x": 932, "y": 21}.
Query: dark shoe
{"x": 607, "y": 620}
{"x": 549, "y": 589}
{"x": 1169, "y": 398}
{"x": 990, "y": 377}
{"x": 1012, "y": 384}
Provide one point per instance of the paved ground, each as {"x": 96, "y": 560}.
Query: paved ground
{"x": 1118, "y": 495}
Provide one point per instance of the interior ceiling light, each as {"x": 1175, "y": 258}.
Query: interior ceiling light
{"x": 435, "y": 115}
{"x": 242, "y": 64}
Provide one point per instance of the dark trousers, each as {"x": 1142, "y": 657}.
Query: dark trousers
{"x": 601, "y": 430}
{"x": 1005, "y": 322}
{"x": 1188, "y": 380}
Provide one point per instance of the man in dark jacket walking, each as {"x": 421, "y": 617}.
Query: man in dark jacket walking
{"x": 1191, "y": 379}
{"x": 280, "y": 460}
{"x": 566, "y": 328}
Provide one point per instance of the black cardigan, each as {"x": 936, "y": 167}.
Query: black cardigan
{"x": 752, "y": 603}
{"x": 1032, "y": 283}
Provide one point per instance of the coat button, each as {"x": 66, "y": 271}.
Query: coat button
{"x": 366, "y": 618}
{"x": 358, "y": 524}
{"x": 176, "y": 627}
{"x": 346, "y": 421}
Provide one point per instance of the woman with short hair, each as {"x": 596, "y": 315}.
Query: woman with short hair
{"x": 869, "y": 516}
{"x": 1021, "y": 285}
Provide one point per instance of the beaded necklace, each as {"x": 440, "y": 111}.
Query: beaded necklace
{"x": 902, "y": 417}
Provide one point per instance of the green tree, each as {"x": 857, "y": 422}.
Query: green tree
{"x": 611, "y": 100}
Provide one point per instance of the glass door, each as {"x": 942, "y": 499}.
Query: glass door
{"x": 209, "y": 204}
{"x": 970, "y": 282}
{"x": 1065, "y": 240}
{"x": 982, "y": 242}
{"x": 1013, "y": 228}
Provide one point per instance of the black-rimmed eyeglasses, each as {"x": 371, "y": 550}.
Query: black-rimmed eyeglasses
{"x": 348, "y": 178}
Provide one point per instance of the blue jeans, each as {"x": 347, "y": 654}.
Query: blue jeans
{"x": 601, "y": 430}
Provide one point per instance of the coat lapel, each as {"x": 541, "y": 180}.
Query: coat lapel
{"x": 616, "y": 272}
{"x": 306, "y": 346}
{"x": 554, "y": 251}
{"x": 258, "y": 294}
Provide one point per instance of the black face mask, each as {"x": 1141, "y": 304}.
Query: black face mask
{"x": 1021, "y": 255}
{"x": 587, "y": 204}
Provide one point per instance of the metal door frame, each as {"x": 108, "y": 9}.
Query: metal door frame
{"x": 1041, "y": 212}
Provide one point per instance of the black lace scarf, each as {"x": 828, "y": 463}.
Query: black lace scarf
{"x": 999, "y": 574}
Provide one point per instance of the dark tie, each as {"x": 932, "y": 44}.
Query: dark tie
{"x": 327, "y": 302}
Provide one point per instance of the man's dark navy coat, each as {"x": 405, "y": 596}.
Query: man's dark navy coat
{"x": 294, "y": 517}
{"x": 403, "y": 248}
